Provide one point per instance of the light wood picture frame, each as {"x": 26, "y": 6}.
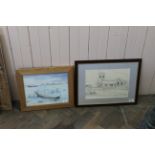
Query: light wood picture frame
{"x": 45, "y": 88}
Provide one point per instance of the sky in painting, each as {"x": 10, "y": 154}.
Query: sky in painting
{"x": 45, "y": 78}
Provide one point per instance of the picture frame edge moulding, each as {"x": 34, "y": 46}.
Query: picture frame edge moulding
{"x": 20, "y": 73}
{"x": 98, "y": 100}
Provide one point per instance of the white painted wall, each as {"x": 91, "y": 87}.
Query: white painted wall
{"x": 55, "y": 46}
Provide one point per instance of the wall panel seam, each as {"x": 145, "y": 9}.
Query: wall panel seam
{"x": 107, "y": 43}
{"x": 126, "y": 42}
{"x": 30, "y": 45}
{"x": 40, "y": 51}
{"x": 59, "y": 46}
{"x": 146, "y": 34}
{"x": 69, "y": 45}
{"x": 89, "y": 43}
{"x": 49, "y": 36}
{"x": 19, "y": 40}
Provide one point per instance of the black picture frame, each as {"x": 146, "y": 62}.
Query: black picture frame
{"x": 137, "y": 61}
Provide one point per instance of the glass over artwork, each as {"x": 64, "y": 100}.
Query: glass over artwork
{"x": 42, "y": 89}
{"x": 107, "y": 83}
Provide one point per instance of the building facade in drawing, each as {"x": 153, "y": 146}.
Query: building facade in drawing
{"x": 105, "y": 83}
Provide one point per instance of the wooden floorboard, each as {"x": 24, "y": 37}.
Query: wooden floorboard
{"x": 99, "y": 117}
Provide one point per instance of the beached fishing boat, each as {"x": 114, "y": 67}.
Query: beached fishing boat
{"x": 49, "y": 94}
{"x": 32, "y": 85}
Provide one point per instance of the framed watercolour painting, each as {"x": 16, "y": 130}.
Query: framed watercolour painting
{"x": 103, "y": 82}
{"x": 44, "y": 88}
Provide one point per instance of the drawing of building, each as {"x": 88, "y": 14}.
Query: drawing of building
{"x": 104, "y": 84}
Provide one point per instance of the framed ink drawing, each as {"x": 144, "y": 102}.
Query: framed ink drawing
{"x": 103, "y": 82}
{"x": 44, "y": 88}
